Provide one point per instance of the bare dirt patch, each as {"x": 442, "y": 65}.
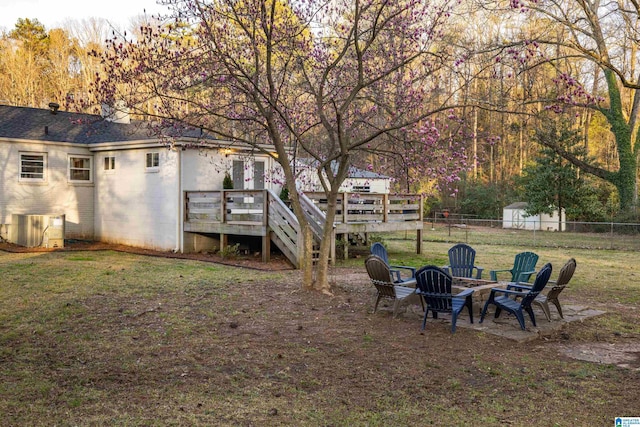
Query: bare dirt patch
{"x": 256, "y": 350}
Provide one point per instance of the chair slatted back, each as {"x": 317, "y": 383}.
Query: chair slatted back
{"x": 379, "y": 249}
{"x": 461, "y": 260}
{"x": 524, "y": 261}
{"x": 380, "y": 276}
{"x": 541, "y": 281}
{"x": 566, "y": 273}
{"x": 435, "y": 287}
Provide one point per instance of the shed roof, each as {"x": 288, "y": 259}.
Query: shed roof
{"x": 517, "y": 205}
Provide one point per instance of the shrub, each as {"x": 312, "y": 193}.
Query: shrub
{"x": 230, "y": 251}
{"x": 227, "y": 182}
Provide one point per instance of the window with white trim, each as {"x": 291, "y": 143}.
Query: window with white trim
{"x": 33, "y": 167}
{"x": 109, "y": 163}
{"x": 153, "y": 161}
{"x": 80, "y": 169}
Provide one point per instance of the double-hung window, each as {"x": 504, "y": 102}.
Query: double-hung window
{"x": 153, "y": 161}
{"x": 80, "y": 169}
{"x": 109, "y": 163}
{"x": 33, "y": 167}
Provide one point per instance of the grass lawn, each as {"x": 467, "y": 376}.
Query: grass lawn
{"x": 110, "y": 338}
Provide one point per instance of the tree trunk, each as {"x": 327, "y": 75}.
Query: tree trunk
{"x": 322, "y": 267}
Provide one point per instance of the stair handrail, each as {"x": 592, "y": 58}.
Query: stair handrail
{"x": 317, "y": 218}
{"x": 285, "y": 226}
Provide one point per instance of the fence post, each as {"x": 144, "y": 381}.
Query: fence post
{"x": 611, "y": 240}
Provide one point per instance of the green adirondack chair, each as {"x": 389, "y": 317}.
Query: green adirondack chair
{"x": 524, "y": 265}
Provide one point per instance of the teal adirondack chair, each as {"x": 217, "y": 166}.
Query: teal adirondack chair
{"x": 524, "y": 266}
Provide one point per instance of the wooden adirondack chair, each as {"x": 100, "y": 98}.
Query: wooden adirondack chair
{"x": 379, "y": 249}
{"x": 566, "y": 273}
{"x": 461, "y": 262}
{"x": 434, "y": 285}
{"x": 388, "y": 288}
{"x": 524, "y": 265}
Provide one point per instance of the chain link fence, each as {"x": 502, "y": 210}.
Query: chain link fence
{"x": 583, "y": 235}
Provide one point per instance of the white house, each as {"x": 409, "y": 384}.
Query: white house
{"x": 112, "y": 180}
{"x": 515, "y": 216}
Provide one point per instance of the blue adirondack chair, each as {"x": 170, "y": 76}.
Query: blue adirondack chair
{"x": 524, "y": 265}
{"x": 434, "y": 285}
{"x": 461, "y": 262}
{"x": 379, "y": 250}
{"x": 522, "y": 299}
{"x": 388, "y": 288}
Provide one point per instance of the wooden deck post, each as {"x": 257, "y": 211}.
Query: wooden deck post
{"x": 345, "y": 202}
{"x": 266, "y": 238}
{"x": 419, "y": 230}
{"x": 224, "y": 239}
{"x": 346, "y": 245}
{"x": 385, "y": 208}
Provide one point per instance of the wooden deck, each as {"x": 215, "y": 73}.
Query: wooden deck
{"x": 262, "y": 213}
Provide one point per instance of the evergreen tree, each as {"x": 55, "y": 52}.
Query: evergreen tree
{"x": 551, "y": 182}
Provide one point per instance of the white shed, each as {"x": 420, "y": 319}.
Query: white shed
{"x": 515, "y": 216}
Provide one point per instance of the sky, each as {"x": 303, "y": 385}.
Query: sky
{"x": 54, "y": 13}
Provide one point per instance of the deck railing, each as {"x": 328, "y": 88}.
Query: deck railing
{"x": 262, "y": 213}
{"x": 370, "y": 207}
{"x": 249, "y": 207}
{"x": 226, "y": 206}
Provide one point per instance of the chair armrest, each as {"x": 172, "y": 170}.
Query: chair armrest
{"x": 411, "y": 269}
{"x": 519, "y": 285}
{"x": 494, "y": 273}
{"x": 479, "y": 270}
{"x": 407, "y": 283}
{"x": 447, "y": 268}
{"x": 464, "y": 294}
{"x": 395, "y": 274}
{"x": 526, "y": 273}
{"x": 508, "y": 291}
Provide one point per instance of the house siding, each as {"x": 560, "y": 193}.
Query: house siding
{"x": 56, "y": 195}
{"x": 136, "y": 206}
{"x": 203, "y": 170}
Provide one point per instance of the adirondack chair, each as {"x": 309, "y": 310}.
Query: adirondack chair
{"x": 379, "y": 249}
{"x": 518, "y": 305}
{"x": 524, "y": 265}
{"x": 388, "y": 288}
{"x": 461, "y": 262}
{"x": 434, "y": 286}
{"x": 566, "y": 273}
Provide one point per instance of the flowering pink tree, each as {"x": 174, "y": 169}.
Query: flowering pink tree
{"x": 332, "y": 81}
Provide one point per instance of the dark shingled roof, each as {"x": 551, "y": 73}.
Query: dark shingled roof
{"x": 30, "y": 123}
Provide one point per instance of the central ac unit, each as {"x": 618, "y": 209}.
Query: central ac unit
{"x": 37, "y": 230}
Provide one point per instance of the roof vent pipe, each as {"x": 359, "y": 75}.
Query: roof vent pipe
{"x": 54, "y": 106}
